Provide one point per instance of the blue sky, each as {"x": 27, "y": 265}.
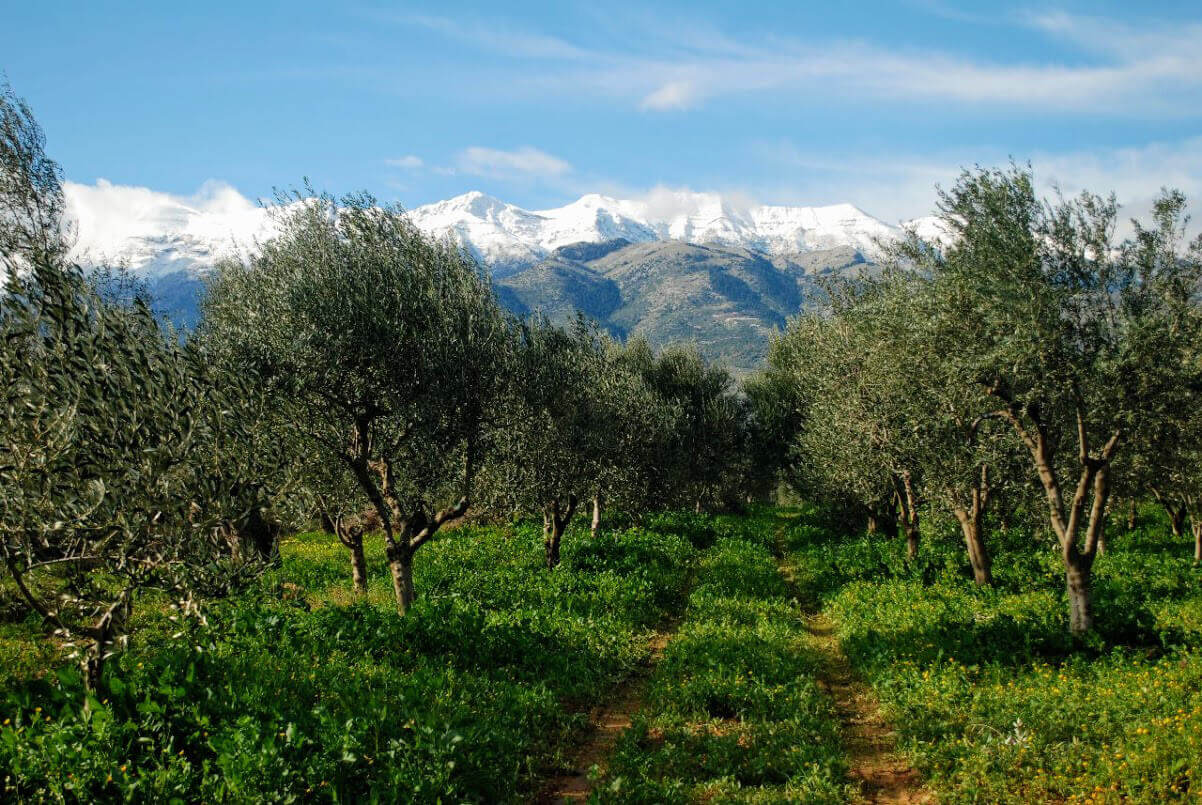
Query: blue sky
{"x": 869, "y": 103}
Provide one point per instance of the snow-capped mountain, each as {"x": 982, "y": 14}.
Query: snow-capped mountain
{"x": 157, "y": 234}
{"x": 502, "y": 234}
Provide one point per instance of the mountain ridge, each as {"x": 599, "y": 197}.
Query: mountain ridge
{"x": 155, "y": 233}
{"x": 674, "y": 266}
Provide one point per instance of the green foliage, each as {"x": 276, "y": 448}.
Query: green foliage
{"x": 126, "y": 459}
{"x": 733, "y": 711}
{"x": 990, "y": 693}
{"x": 284, "y": 698}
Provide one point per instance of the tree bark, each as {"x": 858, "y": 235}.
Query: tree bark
{"x": 358, "y": 564}
{"x": 350, "y": 534}
{"x": 971, "y": 526}
{"x": 1131, "y": 515}
{"x": 595, "y": 526}
{"x": 556, "y": 517}
{"x": 1067, "y": 520}
{"x": 909, "y": 514}
{"x": 1176, "y": 519}
{"x": 1196, "y": 526}
{"x": 550, "y": 539}
{"x": 108, "y": 625}
{"x": 400, "y": 564}
{"x": 911, "y": 540}
{"x": 1079, "y": 581}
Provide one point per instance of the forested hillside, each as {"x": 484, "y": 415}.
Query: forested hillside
{"x": 728, "y": 301}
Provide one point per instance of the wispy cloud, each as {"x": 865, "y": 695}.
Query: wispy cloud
{"x": 523, "y": 163}
{"x": 673, "y": 95}
{"x": 408, "y": 162}
{"x": 1134, "y": 71}
{"x": 902, "y": 185}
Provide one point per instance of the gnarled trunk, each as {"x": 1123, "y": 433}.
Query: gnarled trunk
{"x": 400, "y": 565}
{"x": 555, "y": 521}
{"x": 358, "y": 564}
{"x": 1087, "y": 507}
{"x": 971, "y": 525}
{"x": 595, "y": 526}
{"x": 1079, "y": 582}
{"x": 350, "y": 534}
{"x": 103, "y": 634}
{"x": 909, "y": 513}
{"x": 911, "y": 529}
{"x": 1176, "y": 519}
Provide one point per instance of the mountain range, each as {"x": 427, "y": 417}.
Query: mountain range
{"x": 671, "y": 266}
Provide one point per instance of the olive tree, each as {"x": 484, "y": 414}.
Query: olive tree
{"x": 637, "y": 428}
{"x": 549, "y": 451}
{"x": 859, "y": 437}
{"x": 1079, "y": 341}
{"x": 707, "y": 437}
{"x": 386, "y": 345}
{"x": 120, "y": 457}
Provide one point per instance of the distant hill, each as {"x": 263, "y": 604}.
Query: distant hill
{"x": 728, "y": 300}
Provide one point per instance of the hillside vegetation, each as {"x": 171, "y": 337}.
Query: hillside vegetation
{"x": 729, "y": 301}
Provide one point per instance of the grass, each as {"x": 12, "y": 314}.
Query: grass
{"x": 296, "y": 691}
{"x": 734, "y": 712}
{"x": 992, "y": 698}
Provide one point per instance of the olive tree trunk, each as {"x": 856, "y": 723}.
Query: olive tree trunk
{"x": 1079, "y": 524}
{"x": 1176, "y": 519}
{"x": 400, "y": 565}
{"x": 971, "y": 526}
{"x": 555, "y": 520}
{"x": 350, "y": 534}
{"x": 595, "y": 526}
{"x": 1079, "y": 582}
{"x": 908, "y": 503}
{"x": 358, "y": 565}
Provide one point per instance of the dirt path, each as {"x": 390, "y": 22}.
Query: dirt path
{"x": 606, "y": 724}
{"x": 882, "y": 773}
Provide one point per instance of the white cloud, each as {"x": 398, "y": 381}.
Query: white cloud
{"x": 408, "y": 162}
{"x": 523, "y": 163}
{"x": 1137, "y": 71}
{"x": 901, "y": 186}
{"x": 673, "y": 95}
{"x": 123, "y": 223}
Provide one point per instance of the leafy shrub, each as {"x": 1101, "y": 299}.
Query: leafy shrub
{"x": 286, "y": 695}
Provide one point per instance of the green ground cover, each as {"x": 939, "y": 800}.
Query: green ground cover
{"x": 297, "y": 691}
{"x": 734, "y": 712}
{"x": 992, "y": 698}
{"x": 294, "y": 691}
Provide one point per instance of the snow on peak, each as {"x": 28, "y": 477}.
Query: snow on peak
{"x": 155, "y": 233}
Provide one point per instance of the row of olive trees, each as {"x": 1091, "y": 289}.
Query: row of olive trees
{"x": 129, "y": 463}
{"x": 1029, "y": 358}
{"x": 415, "y": 398}
{"x": 353, "y": 370}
